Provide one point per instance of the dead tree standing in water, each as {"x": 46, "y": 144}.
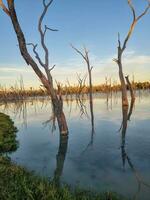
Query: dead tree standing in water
{"x": 121, "y": 49}
{"x": 79, "y": 98}
{"x": 85, "y": 56}
{"x": 130, "y": 88}
{"x": 46, "y": 78}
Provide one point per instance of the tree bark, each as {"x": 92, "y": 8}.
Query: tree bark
{"x": 130, "y": 88}
{"x": 47, "y": 82}
{"x": 121, "y": 49}
{"x": 123, "y": 84}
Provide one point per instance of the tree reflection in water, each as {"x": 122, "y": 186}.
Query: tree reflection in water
{"x": 60, "y": 159}
{"x": 90, "y": 144}
{"x": 126, "y": 116}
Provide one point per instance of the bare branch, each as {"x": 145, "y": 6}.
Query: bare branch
{"x": 47, "y": 80}
{"x": 52, "y": 68}
{"x": 48, "y": 4}
{"x": 119, "y": 42}
{"x": 130, "y": 87}
{"x": 44, "y": 3}
{"x": 128, "y": 35}
{"x": 5, "y": 9}
{"x": 115, "y": 60}
{"x": 132, "y": 9}
{"x": 85, "y": 50}
{"x": 81, "y": 82}
{"x": 42, "y": 33}
{"x": 145, "y": 11}
{"x": 121, "y": 49}
{"x": 50, "y": 29}
{"x": 135, "y": 20}
{"x": 22, "y": 44}
{"x": 36, "y": 54}
{"x": 79, "y": 52}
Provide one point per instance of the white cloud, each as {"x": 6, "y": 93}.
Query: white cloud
{"x": 137, "y": 60}
{"x": 15, "y": 69}
{"x": 139, "y": 65}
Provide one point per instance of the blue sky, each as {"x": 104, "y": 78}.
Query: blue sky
{"x": 80, "y": 22}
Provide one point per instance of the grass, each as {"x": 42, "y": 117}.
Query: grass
{"x": 7, "y": 134}
{"x": 16, "y": 183}
{"x": 19, "y": 92}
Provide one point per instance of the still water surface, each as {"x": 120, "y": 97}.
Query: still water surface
{"x": 99, "y": 158}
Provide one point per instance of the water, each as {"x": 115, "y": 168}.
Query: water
{"x": 101, "y": 158}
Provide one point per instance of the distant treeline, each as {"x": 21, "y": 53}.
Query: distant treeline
{"x": 19, "y": 92}
{"x": 104, "y": 88}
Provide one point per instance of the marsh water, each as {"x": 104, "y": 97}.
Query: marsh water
{"x": 109, "y": 153}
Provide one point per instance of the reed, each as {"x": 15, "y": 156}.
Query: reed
{"x": 19, "y": 92}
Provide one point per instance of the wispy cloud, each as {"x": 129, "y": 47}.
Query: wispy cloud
{"x": 139, "y": 65}
{"x": 15, "y": 69}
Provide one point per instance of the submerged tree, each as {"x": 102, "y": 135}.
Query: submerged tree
{"x": 121, "y": 49}
{"x": 46, "y": 79}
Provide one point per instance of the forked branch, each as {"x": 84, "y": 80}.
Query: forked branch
{"x": 43, "y": 32}
{"x": 135, "y": 20}
{"x": 36, "y": 53}
{"x": 79, "y": 52}
{"x": 5, "y": 9}
{"x": 50, "y": 29}
{"x": 47, "y": 80}
{"x": 85, "y": 56}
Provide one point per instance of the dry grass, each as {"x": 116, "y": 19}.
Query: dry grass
{"x": 18, "y": 92}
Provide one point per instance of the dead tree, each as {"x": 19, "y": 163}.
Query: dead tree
{"x": 121, "y": 49}
{"x": 85, "y": 56}
{"x": 130, "y": 88}
{"x": 89, "y": 67}
{"x": 79, "y": 99}
{"x": 46, "y": 78}
{"x": 81, "y": 84}
{"x": 107, "y": 92}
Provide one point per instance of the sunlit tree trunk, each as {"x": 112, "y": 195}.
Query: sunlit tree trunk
{"x": 130, "y": 88}
{"x": 122, "y": 80}
{"x": 47, "y": 79}
{"x": 121, "y": 49}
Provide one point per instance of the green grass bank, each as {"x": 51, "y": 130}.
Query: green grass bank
{"x": 17, "y": 183}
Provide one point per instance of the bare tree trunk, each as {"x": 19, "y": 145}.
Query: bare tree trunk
{"x": 130, "y": 88}
{"x": 90, "y": 81}
{"x": 85, "y": 56}
{"x": 47, "y": 82}
{"x": 123, "y": 84}
{"x": 91, "y": 95}
{"x": 121, "y": 75}
{"x": 107, "y": 92}
{"x": 131, "y": 108}
{"x": 121, "y": 49}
